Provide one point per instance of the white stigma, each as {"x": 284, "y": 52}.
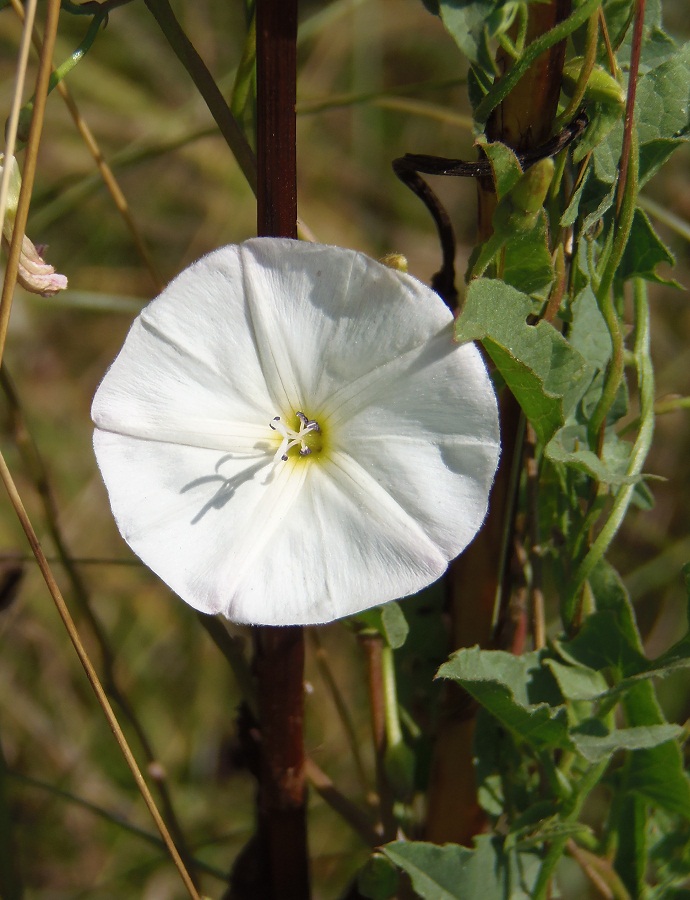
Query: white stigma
{"x": 292, "y": 438}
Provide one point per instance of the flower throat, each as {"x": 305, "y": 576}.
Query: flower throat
{"x": 308, "y": 437}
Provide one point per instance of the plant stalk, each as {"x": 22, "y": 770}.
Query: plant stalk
{"x": 279, "y": 654}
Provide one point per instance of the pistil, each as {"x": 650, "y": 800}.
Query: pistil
{"x": 291, "y": 438}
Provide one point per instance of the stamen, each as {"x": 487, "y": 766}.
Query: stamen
{"x": 291, "y": 438}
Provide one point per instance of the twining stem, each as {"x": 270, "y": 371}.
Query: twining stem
{"x": 628, "y": 136}
{"x": 502, "y": 88}
{"x": 604, "y": 295}
{"x": 640, "y": 449}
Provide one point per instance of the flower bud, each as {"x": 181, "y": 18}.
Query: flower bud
{"x": 34, "y": 274}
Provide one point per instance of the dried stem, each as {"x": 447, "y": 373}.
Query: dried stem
{"x": 71, "y": 629}
{"x": 340, "y": 705}
{"x": 104, "y": 169}
{"x": 37, "y": 472}
{"x": 31, "y": 158}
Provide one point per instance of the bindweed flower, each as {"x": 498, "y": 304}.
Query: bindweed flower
{"x": 34, "y": 273}
{"x": 289, "y": 434}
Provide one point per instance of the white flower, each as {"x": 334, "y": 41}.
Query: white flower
{"x": 289, "y": 434}
{"x": 34, "y": 274}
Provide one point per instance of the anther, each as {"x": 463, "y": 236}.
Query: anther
{"x": 291, "y": 438}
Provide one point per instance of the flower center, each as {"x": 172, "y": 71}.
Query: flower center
{"x": 292, "y": 438}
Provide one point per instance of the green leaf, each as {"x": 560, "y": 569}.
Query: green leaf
{"x": 610, "y": 639}
{"x": 473, "y": 23}
{"x": 603, "y": 118}
{"x": 602, "y": 645}
{"x": 539, "y": 366}
{"x": 516, "y": 690}
{"x": 388, "y": 621}
{"x": 588, "y": 332}
{"x": 518, "y": 220}
{"x": 664, "y": 95}
{"x": 596, "y": 744}
{"x": 578, "y": 682}
{"x": 611, "y": 595}
{"x": 644, "y": 252}
{"x": 569, "y": 447}
{"x": 654, "y": 154}
{"x": 452, "y": 872}
{"x": 505, "y": 166}
{"x": 658, "y": 773}
{"x": 527, "y": 264}
{"x": 378, "y": 878}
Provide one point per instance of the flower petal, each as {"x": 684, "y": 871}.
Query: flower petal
{"x": 334, "y": 316}
{"x": 189, "y": 371}
{"x": 231, "y": 542}
{"x": 197, "y": 517}
{"x": 408, "y": 423}
{"x": 345, "y": 546}
{"x": 426, "y": 428}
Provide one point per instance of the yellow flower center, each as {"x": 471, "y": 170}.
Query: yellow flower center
{"x": 308, "y": 437}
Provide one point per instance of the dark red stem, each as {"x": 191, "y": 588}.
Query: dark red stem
{"x": 279, "y": 661}
{"x": 276, "y": 94}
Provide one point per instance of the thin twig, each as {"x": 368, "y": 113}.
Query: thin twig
{"x": 356, "y": 818}
{"x": 341, "y": 706}
{"x": 207, "y": 87}
{"x": 38, "y": 473}
{"x": 22, "y": 214}
{"x": 13, "y": 121}
{"x": 71, "y": 629}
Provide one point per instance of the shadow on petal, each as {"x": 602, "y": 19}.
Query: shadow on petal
{"x": 226, "y": 486}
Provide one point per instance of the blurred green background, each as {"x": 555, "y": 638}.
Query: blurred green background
{"x": 377, "y": 79}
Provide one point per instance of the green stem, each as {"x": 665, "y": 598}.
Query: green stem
{"x": 587, "y": 783}
{"x": 390, "y": 698}
{"x": 590, "y": 58}
{"x": 207, "y": 87}
{"x": 62, "y": 71}
{"x": 507, "y": 82}
{"x": 638, "y": 455}
{"x": 113, "y": 818}
{"x": 606, "y": 303}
